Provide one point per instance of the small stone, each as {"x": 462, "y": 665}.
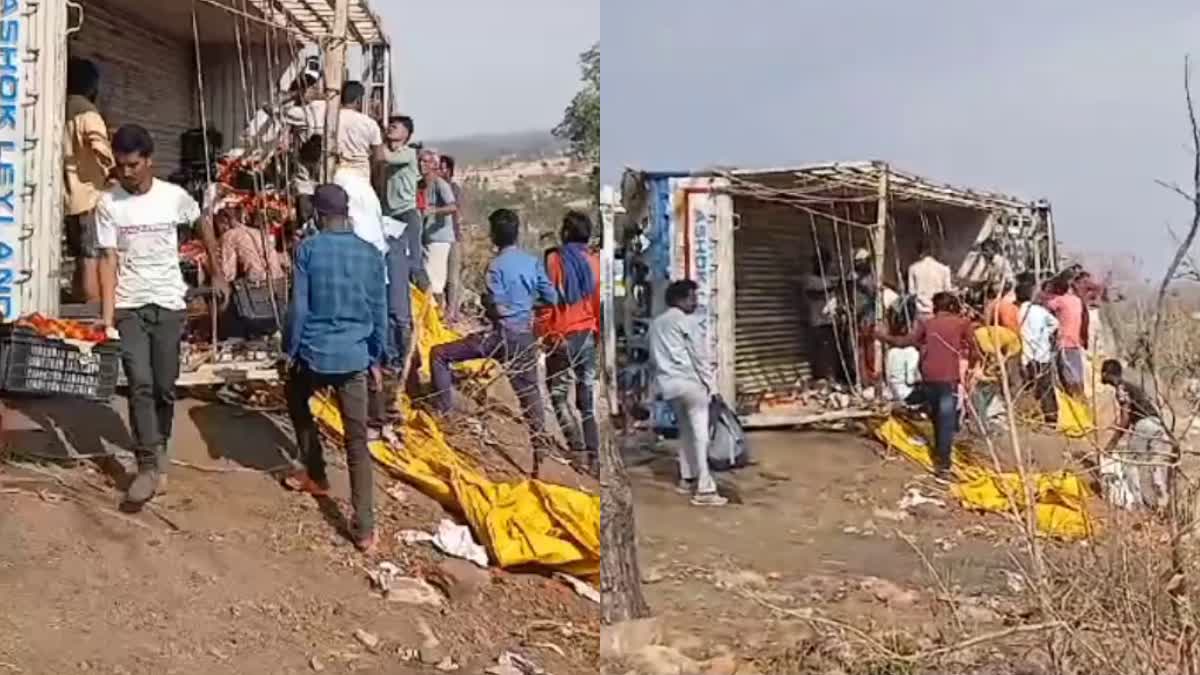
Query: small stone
{"x": 721, "y": 665}
{"x": 411, "y": 591}
{"x": 316, "y": 664}
{"x": 659, "y": 660}
{"x": 624, "y": 639}
{"x": 432, "y": 654}
{"x": 888, "y": 514}
{"x": 368, "y": 640}
{"x": 447, "y": 665}
{"x": 460, "y": 580}
{"x": 653, "y": 575}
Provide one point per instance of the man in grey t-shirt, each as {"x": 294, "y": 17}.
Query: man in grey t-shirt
{"x": 440, "y": 211}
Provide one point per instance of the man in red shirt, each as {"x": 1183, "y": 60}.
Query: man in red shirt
{"x": 570, "y": 330}
{"x": 944, "y": 340}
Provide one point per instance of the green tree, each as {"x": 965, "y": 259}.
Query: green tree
{"x": 580, "y": 125}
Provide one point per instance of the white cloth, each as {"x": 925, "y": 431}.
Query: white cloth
{"x": 691, "y": 414}
{"x": 1147, "y": 442}
{"x": 821, "y": 294}
{"x": 144, "y": 230}
{"x": 357, "y": 134}
{"x": 675, "y": 342}
{"x": 393, "y": 228}
{"x": 1038, "y": 326}
{"x": 926, "y": 278}
{"x": 309, "y": 117}
{"x": 437, "y": 265}
{"x": 902, "y": 370}
{"x": 366, "y": 213}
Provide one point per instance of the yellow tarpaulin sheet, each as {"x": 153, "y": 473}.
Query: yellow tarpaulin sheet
{"x": 1074, "y": 415}
{"x": 1061, "y": 509}
{"x": 522, "y": 523}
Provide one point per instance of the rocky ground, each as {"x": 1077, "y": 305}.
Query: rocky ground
{"x": 228, "y": 573}
{"x": 834, "y": 557}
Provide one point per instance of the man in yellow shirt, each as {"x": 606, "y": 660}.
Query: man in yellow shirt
{"x": 87, "y": 161}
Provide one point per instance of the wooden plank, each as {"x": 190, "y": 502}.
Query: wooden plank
{"x": 780, "y": 421}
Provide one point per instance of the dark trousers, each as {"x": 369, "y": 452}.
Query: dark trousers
{"x": 350, "y": 390}
{"x": 573, "y": 360}
{"x": 825, "y": 358}
{"x": 941, "y": 399}
{"x": 150, "y": 338}
{"x": 383, "y": 407}
{"x": 517, "y": 354}
{"x": 1042, "y": 377}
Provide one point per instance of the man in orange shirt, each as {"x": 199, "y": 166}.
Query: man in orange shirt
{"x": 1002, "y": 310}
{"x": 570, "y": 330}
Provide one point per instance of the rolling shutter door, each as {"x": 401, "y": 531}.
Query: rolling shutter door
{"x": 145, "y": 79}
{"x": 770, "y": 254}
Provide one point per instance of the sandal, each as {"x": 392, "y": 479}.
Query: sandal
{"x": 367, "y": 544}
{"x": 300, "y": 481}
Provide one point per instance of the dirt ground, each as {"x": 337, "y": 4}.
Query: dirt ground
{"x": 815, "y": 529}
{"x": 229, "y": 573}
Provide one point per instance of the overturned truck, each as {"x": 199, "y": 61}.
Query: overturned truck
{"x": 746, "y": 238}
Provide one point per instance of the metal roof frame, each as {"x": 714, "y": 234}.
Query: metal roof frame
{"x": 864, "y": 177}
{"x": 315, "y": 18}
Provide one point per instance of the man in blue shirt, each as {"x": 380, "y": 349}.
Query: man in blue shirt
{"x": 516, "y": 282}
{"x": 336, "y": 337}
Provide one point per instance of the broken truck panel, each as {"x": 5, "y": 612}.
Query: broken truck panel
{"x": 747, "y": 236}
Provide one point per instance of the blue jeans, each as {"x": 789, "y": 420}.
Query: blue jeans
{"x": 942, "y": 401}
{"x": 573, "y": 361}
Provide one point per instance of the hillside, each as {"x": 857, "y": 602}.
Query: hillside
{"x": 482, "y": 149}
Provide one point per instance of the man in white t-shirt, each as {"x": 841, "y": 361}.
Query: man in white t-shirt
{"x": 359, "y": 138}
{"x": 926, "y": 278}
{"x": 142, "y": 293}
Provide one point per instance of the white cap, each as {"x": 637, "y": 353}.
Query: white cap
{"x": 861, "y": 254}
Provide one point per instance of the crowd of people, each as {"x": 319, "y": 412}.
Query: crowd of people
{"x": 950, "y": 345}
{"x": 387, "y": 220}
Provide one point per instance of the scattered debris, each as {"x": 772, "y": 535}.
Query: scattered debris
{"x": 383, "y": 576}
{"x": 368, "y": 640}
{"x": 413, "y": 591}
{"x": 447, "y": 665}
{"x": 888, "y": 514}
{"x": 581, "y": 587}
{"x": 734, "y": 580}
{"x": 452, "y": 539}
{"x": 396, "y": 491}
{"x": 460, "y": 580}
{"x": 889, "y": 593}
{"x": 913, "y": 498}
{"x": 511, "y": 663}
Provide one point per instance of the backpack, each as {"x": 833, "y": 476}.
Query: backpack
{"x": 727, "y": 446}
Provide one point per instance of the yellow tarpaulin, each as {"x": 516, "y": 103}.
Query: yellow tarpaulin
{"x": 1061, "y": 509}
{"x": 1074, "y": 416}
{"x": 521, "y": 523}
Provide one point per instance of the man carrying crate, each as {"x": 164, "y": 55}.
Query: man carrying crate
{"x": 142, "y": 293}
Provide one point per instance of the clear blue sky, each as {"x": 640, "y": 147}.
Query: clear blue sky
{"x": 483, "y": 66}
{"x": 1077, "y": 101}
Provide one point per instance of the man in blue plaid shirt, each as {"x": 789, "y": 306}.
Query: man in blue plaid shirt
{"x": 336, "y": 337}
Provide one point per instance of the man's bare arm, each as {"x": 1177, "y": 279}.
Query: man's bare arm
{"x": 108, "y": 287}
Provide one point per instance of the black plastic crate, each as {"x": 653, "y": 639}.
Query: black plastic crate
{"x": 253, "y": 300}
{"x": 33, "y": 364}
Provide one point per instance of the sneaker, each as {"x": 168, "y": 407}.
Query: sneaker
{"x": 943, "y": 477}
{"x": 685, "y": 487}
{"x": 709, "y": 499}
{"x": 144, "y": 486}
{"x": 374, "y": 434}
